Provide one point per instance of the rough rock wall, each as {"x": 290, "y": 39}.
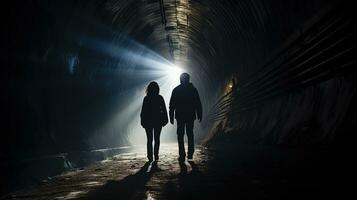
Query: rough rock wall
{"x": 315, "y": 115}
{"x": 304, "y": 96}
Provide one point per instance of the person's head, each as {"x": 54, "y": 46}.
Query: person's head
{"x": 153, "y": 88}
{"x": 184, "y": 78}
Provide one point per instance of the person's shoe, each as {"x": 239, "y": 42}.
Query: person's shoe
{"x": 156, "y": 158}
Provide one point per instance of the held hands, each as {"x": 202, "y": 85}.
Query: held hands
{"x": 171, "y": 115}
{"x": 199, "y": 119}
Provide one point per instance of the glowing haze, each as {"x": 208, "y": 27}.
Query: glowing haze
{"x": 136, "y": 61}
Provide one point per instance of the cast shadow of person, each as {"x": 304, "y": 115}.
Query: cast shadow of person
{"x": 183, "y": 168}
{"x": 185, "y": 185}
{"x": 131, "y": 187}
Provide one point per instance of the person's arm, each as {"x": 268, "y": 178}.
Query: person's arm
{"x": 165, "y": 119}
{"x": 198, "y": 106}
{"x": 143, "y": 113}
{"x": 172, "y": 107}
{"x": 163, "y": 104}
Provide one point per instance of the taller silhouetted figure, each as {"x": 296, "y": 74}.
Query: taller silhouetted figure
{"x": 185, "y": 107}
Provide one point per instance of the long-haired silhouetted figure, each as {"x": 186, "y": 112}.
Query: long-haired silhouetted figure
{"x": 153, "y": 117}
{"x": 185, "y": 105}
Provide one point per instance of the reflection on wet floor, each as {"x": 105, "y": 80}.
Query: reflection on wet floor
{"x": 72, "y": 195}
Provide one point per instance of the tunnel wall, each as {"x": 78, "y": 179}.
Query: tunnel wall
{"x": 58, "y": 93}
{"x": 310, "y": 102}
{"x": 318, "y": 115}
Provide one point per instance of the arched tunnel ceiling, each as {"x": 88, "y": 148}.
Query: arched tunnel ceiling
{"x": 210, "y": 38}
{"x": 209, "y": 35}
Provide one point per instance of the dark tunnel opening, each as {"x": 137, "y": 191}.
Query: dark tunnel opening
{"x": 275, "y": 80}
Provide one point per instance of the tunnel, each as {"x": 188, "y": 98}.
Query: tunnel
{"x": 275, "y": 79}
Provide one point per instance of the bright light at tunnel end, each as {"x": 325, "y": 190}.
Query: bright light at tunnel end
{"x": 174, "y": 72}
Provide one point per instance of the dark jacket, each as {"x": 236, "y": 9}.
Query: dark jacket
{"x": 152, "y": 111}
{"x": 185, "y": 103}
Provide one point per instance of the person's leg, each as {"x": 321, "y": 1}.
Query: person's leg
{"x": 180, "y": 140}
{"x": 190, "y": 138}
{"x": 157, "y": 132}
{"x": 149, "y": 136}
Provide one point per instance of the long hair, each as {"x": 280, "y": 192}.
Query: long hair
{"x": 152, "y": 89}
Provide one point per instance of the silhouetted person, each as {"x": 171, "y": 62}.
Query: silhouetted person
{"x": 153, "y": 117}
{"x": 185, "y": 107}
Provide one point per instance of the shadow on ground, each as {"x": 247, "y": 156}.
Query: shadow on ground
{"x": 131, "y": 187}
{"x": 276, "y": 172}
{"x": 190, "y": 183}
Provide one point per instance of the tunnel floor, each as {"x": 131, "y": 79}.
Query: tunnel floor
{"x": 208, "y": 176}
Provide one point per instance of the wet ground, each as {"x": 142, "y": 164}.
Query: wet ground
{"x": 251, "y": 173}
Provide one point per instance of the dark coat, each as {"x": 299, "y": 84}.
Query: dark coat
{"x": 153, "y": 111}
{"x": 185, "y": 103}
